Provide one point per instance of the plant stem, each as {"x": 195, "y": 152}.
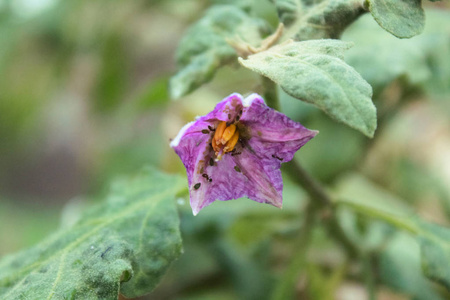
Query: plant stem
{"x": 321, "y": 201}
{"x": 312, "y": 187}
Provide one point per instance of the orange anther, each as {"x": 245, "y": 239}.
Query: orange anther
{"x": 225, "y": 139}
{"x": 219, "y": 130}
{"x": 228, "y": 134}
{"x": 229, "y": 146}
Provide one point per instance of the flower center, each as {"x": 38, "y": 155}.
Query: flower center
{"x": 225, "y": 139}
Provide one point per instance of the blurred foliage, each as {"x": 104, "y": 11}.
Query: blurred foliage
{"x": 84, "y": 98}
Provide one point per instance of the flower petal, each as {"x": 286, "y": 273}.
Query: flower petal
{"x": 192, "y": 146}
{"x": 272, "y": 134}
{"x": 252, "y": 169}
{"x": 226, "y": 110}
{"x": 239, "y": 176}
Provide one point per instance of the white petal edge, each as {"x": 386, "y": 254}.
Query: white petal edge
{"x": 180, "y": 134}
{"x": 249, "y": 100}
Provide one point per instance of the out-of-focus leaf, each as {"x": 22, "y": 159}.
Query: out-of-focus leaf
{"x": 434, "y": 243}
{"x": 29, "y": 222}
{"x": 153, "y": 95}
{"x": 242, "y": 4}
{"x": 112, "y": 80}
{"x": 434, "y": 240}
{"x": 421, "y": 61}
{"x": 306, "y": 20}
{"x": 358, "y": 190}
{"x": 399, "y": 268}
{"x": 314, "y": 72}
{"x": 404, "y": 19}
{"x": 125, "y": 244}
{"x": 205, "y": 47}
{"x": 324, "y": 285}
{"x": 316, "y": 156}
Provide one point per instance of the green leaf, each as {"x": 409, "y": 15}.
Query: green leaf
{"x": 205, "y": 47}
{"x": 399, "y": 268}
{"x": 314, "y": 72}
{"x": 320, "y": 19}
{"x": 434, "y": 240}
{"x": 404, "y": 19}
{"x": 419, "y": 62}
{"x": 124, "y": 245}
{"x": 434, "y": 243}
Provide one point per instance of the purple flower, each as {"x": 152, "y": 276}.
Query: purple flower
{"x": 237, "y": 150}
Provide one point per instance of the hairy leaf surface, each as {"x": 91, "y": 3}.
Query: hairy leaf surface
{"x": 125, "y": 244}
{"x": 313, "y": 71}
{"x": 205, "y": 47}
{"x": 322, "y": 19}
{"x": 404, "y": 18}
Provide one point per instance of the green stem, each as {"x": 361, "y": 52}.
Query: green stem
{"x": 321, "y": 201}
{"x": 396, "y": 221}
{"x": 312, "y": 187}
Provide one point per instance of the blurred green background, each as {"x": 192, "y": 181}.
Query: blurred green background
{"x": 83, "y": 99}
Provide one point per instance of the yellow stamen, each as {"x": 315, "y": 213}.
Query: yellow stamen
{"x": 229, "y": 146}
{"x": 219, "y": 130}
{"x": 225, "y": 139}
{"x": 228, "y": 134}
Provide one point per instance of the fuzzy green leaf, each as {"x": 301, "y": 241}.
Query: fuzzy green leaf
{"x": 314, "y": 72}
{"x": 205, "y": 47}
{"x": 320, "y": 19}
{"x": 404, "y": 19}
{"x": 124, "y": 245}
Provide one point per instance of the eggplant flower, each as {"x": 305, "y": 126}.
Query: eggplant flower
{"x": 236, "y": 151}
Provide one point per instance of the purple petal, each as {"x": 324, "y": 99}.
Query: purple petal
{"x": 226, "y": 110}
{"x": 191, "y": 145}
{"x": 273, "y": 134}
{"x": 253, "y": 169}
{"x": 238, "y": 176}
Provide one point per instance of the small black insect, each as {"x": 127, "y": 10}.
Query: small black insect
{"x": 205, "y": 176}
{"x": 279, "y": 158}
{"x": 237, "y": 118}
{"x": 240, "y": 112}
{"x": 205, "y": 131}
{"x": 106, "y": 251}
{"x": 210, "y": 179}
{"x": 237, "y": 169}
{"x": 197, "y": 186}
{"x": 210, "y": 128}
